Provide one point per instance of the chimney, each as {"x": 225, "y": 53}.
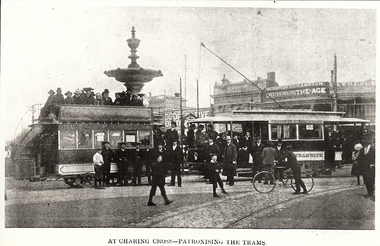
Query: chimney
{"x": 176, "y": 94}
{"x": 271, "y": 76}
{"x": 224, "y": 80}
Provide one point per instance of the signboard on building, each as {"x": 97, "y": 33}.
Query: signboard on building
{"x": 319, "y": 89}
{"x": 175, "y": 115}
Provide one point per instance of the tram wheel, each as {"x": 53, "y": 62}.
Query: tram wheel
{"x": 259, "y": 183}
{"x": 307, "y": 179}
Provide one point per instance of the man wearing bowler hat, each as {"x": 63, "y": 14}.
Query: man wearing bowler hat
{"x": 174, "y": 158}
{"x": 106, "y": 97}
{"x": 171, "y": 135}
{"x": 58, "y": 98}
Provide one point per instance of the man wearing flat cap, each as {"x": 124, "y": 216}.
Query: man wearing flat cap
{"x": 108, "y": 156}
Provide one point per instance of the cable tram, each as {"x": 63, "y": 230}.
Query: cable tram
{"x": 317, "y": 137}
{"x": 64, "y": 145}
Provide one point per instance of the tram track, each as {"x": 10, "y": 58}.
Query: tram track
{"x": 204, "y": 216}
{"x": 286, "y": 204}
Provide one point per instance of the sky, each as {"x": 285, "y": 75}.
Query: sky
{"x": 46, "y": 45}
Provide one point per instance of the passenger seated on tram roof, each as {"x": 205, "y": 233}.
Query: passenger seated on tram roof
{"x": 69, "y": 99}
{"x": 98, "y": 99}
{"x": 46, "y": 109}
{"x": 58, "y": 98}
{"x": 88, "y": 96}
{"x": 78, "y": 99}
{"x": 106, "y": 98}
{"x": 117, "y": 99}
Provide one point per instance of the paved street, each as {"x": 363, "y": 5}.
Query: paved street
{"x": 334, "y": 203}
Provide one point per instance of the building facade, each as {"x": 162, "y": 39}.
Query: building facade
{"x": 356, "y": 99}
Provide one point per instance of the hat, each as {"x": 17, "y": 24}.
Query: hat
{"x": 258, "y": 138}
{"x": 68, "y": 92}
{"x": 269, "y": 143}
{"x": 51, "y": 92}
{"x": 105, "y": 142}
{"x": 106, "y": 91}
{"x": 97, "y": 149}
{"x": 209, "y": 125}
{"x": 98, "y": 94}
{"x": 358, "y": 147}
{"x": 122, "y": 143}
{"x": 173, "y": 123}
{"x": 59, "y": 89}
{"x": 175, "y": 140}
{"x": 289, "y": 148}
{"x": 78, "y": 91}
{"x": 280, "y": 140}
{"x": 87, "y": 89}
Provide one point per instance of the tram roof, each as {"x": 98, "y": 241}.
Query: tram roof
{"x": 281, "y": 116}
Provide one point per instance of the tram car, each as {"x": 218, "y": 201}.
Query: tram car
{"x": 64, "y": 144}
{"x": 317, "y": 137}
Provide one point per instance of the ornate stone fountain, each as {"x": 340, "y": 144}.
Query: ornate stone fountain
{"x": 134, "y": 76}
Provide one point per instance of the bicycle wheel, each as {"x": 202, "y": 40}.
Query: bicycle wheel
{"x": 259, "y": 182}
{"x": 307, "y": 179}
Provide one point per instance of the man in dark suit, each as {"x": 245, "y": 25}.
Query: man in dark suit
{"x": 108, "y": 156}
{"x": 122, "y": 160}
{"x": 369, "y": 167}
{"x": 171, "y": 135}
{"x": 106, "y": 97}
{"x": 256, "y": 151}
{"x": 191, "y": 136}
{"x": 174, "y": 159}
{"x": 230, "y": 156}
{"x": 137, "y": 159}
{"x": 158, "y": 180}
{"x": 281, "y": 166}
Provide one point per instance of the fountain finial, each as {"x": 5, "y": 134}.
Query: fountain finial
{"x": 133, "y": 32}
{"x": 133, "y": 43}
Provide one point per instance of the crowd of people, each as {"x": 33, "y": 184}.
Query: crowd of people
{"x": 87, "y": 96}
{"x": 216, "y": 151}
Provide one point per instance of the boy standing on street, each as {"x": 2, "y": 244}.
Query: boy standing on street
{"x": 98, "y": 162}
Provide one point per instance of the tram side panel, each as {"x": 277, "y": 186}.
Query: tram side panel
{"x": 78, "y": 143}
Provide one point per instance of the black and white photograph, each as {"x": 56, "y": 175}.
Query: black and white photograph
{"x": 188, "y": 123}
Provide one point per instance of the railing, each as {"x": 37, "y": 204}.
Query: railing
{"x": 33, "y": 112}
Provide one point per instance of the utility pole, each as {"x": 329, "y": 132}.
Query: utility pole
{"x": 197, "y": 98}
{"x": 180, "y": 111}
{"x": 335, "y": 85}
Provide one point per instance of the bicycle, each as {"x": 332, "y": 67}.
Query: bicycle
{"x": 272, "y": 179}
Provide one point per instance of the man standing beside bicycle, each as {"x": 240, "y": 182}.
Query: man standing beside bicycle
{"x": 292, "y": 163}
{"x": 268, "y": 156}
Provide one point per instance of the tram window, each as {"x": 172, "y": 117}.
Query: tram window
{"x": 310, "y": 131}
{"x": 100, "y": 136}
{"x": 284, "y": 131}
{"x": 115, "y": 138}
{"x": 68, "y": 139}
{"x": 130, "y": 138}
{"x": 145, "y": 137}
{"x": 84, "y": 139}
